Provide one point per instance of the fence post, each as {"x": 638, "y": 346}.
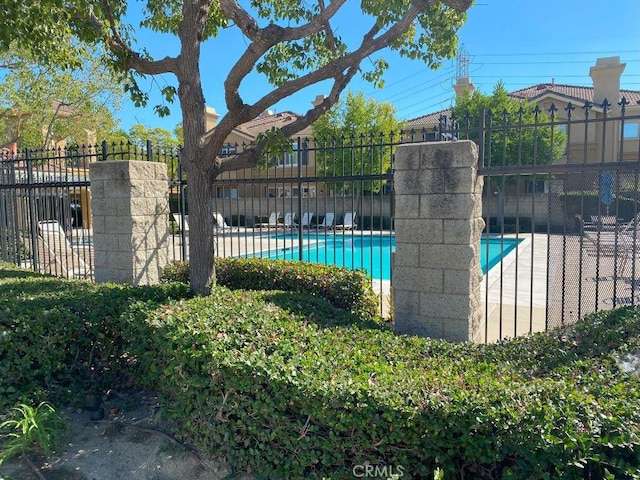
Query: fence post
{"x": 33, "y": 212}
{"x": 130, "y": 205}
{"x": 438, "y": 222}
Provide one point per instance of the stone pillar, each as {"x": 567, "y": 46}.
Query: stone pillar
{"x": 130, "y": 206}
{"x": 438, "y": 224}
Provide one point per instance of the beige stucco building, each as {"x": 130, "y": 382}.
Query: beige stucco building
{"x": 288, "y": 165}
{"x": 591, "y": 144}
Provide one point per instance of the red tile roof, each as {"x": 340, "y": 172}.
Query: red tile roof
{"x": 428, "y": 120}
{"x": 267, "y": 121}
{"x": 574, "y": 92}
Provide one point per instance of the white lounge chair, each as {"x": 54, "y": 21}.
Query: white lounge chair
{"x": 271, "y": 223}
{"x": 327, "y": 221}
{"x": 348, "y": 222}
{"x": 288, "y": 221}
{"x": 182, "y": 221}
{"x": 305, "y": 221}
{"x": 221, "y": 224}
{"x": 60, "y": 257}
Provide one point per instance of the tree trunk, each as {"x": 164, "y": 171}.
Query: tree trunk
{"x": 201, "y": 231}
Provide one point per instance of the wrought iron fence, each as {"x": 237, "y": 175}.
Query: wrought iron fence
{"x": 45, "y": 207}
{"x": 565, "y": 188}
{"x": 560, "y": 203}
{"x": 325, "y": 201}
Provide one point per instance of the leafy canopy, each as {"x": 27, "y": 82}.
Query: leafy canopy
{"x": 42, "y": 105}
{"x": 293, "y": 45}
{"x": 510, "y": 145}
{"x": 350, "y": 129}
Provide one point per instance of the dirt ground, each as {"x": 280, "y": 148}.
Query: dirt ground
{"x": 124, "y": 445}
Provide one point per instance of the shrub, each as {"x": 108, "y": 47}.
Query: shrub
{"x": 347, "y": 289}
{"x": 58, "y": 337}
{"x": 177, "y": 271}
{"x": 284, "y": 385}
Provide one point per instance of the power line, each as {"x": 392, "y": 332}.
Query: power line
{"x": 553, "y": 53}
{"x": 408, "y": 92}
{"x": 445, "y": 73}
{"x": 410, "y": 115}
{"x": 560, "y": 62}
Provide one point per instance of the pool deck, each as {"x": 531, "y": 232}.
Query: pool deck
{"x": 514, "y": 291}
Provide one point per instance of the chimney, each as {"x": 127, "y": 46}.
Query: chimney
{"x": 463, "y": 85}
{"x": 606, "y": 81}
{"x": 210, "y": 118}
{"x": 318, "y": 100}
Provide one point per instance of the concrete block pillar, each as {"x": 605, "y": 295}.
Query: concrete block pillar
{"x": 438, "y": 224}
{"x": 130, "y": 206}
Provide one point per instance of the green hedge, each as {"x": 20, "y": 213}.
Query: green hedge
{"x": 58, "y": 337}
{"x": 283, "y": 385}
{"x": 279, "y": 384}
{"x": 347, "y": 289}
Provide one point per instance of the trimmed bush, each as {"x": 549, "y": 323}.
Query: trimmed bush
{"x": 281, "y": 385}
{"x": 284, "y": 385}
{"x": 347, "y": 289}
{"x": 58, "y": 337}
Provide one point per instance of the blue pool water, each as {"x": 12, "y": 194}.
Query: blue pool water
{"x": 371, "y": 253}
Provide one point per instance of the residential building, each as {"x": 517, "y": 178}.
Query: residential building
{"x": 287, "y": 165}
{"x": 618, "y": 142}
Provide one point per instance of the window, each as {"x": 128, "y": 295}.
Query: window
{"x": 630, "y": 130}
{"x": 290, "y": 192}
{"x": 290, "y": 159}
{"x": 539, "y": 186}
{"x": 227, "y": 192}
{"x": 228, "y": 150}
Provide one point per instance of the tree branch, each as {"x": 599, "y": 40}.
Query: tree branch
{"x": 249, "y": 26}
{"x": 117, "y": 45}
{"x": 262, "y": 40}
{"x": 249, "y": 157}
{"x": 331, "y": 38}
{"x": 370, "y": 44}
{"x": 341, "y": 69}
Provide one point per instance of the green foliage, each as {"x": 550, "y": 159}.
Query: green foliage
{"x": 348, "y": 131}
{"x": 284, "y": 385}
{"x": 509, "y": 145}
{"x": 276, "y": 144}
{"x": 347, "y": 289}
{"x": 59, "y": 337}
{"x": 30, "y": 429}
{"x": 177, "y": 271}
{"x": 42, "y": 105}
{"x": 43, "y": 28}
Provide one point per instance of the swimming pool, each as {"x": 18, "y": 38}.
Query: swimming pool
{"x": 369, "y": 252}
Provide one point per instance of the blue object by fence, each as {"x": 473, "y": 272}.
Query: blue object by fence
{"x": 606, "y": 188}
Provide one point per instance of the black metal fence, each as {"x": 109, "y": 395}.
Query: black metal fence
{"x": 565, "y": 187}
{"x": 561, "y": 191}
{"x": 45, "y": 207}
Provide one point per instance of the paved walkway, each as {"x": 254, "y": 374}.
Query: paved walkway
{"x": 578, "y": 279}
{"x": 514, "y": 291}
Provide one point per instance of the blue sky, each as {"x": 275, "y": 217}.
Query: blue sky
{"x": 520, "y": 42}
